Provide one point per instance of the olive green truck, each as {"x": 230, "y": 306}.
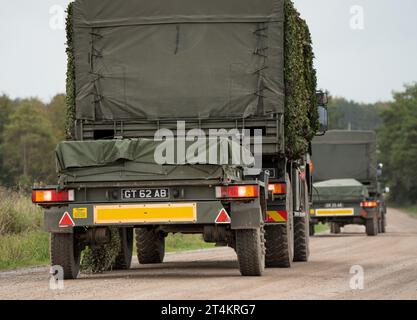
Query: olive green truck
{"x": 347, "y": 182}
{"x": 177, "y": 113}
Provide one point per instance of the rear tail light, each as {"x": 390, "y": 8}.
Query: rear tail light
{"x": 45, "y": 196}
{"x": 237, "y": 192}
{"x": 369, "y": 204}
{"x": 279, "y": 188}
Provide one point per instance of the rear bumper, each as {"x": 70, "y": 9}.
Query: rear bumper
{"x": 242, "y": 215}
{"x": 349, "y": 214}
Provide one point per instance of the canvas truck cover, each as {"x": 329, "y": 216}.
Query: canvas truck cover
{"x": 141, "y": 59}
{"x": 137, "y": 159}
{"x": 345, "y": 155}
{"x": 339, "y": 190}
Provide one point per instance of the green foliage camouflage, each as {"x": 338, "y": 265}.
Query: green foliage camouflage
{"x": 70, "y": 98}
{"x": 97, "y": 259}
{"x": 301, "y": 117}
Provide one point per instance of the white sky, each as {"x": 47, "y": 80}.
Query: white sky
{"x": 364, "y": 65}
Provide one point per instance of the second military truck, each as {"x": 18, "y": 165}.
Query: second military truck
{"x": 347, "y": 187}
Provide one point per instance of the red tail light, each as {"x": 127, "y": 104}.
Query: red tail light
{"x": 52, "y": 195}
{"x": 369, "y": 204}
{"x": 278, "y": 188}
{"x": 237, "y": 192}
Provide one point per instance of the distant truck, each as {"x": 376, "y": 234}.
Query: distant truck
{"x": 347, "y": 188}
{"x": 139, "y": 70}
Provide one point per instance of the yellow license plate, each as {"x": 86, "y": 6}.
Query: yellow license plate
{"x": 146, "y": 213}
{"x": 335, "y": 212}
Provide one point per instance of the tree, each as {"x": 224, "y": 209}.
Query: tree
{"x": 6, "y": 107}
{"x": 56, "y": 113}
{"x": 398, "y": 145}
{"x": 345, "y": 114}
{"x": 28, "y": 143}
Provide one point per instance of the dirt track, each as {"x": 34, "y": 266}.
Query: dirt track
{"x": 389, "y": 262}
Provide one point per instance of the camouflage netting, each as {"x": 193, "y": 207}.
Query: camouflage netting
{"x": 101, "y": 258}
{"x": 301, "y": 117}
{"x": 70, "y": 98}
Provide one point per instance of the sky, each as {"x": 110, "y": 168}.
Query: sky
{"x": 365, "y": 49}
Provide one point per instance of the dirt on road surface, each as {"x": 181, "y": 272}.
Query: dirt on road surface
{"x": 389, "y": 263}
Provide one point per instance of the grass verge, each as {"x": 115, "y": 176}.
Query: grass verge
{"x": 411, "y": 210}
{"x": 182, "y": 242}
{"x": 319, "y": 228}
{"x": 24, "y": 250}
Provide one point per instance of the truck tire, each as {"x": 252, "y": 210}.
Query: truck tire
{"x": 124, "y": 258}
{"x": 383, "y": 224}
{"x": 335, "y": 228}
{"x": 371, "y": 227}
{"x": 66, "y": 252}
{"x": 150, "y": 246}
{"x": 280, "y": 238}
{"x": 302, "y": 232}
{"x": 250, "y": 249}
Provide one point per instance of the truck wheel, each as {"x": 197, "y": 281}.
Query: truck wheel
{"x": 371, "y": 227}
{"x": 280, "y": 238}
{"x": 383, "y": 224}
{"x": 250, "y": 249}
{"x": 335, "y": 228}
{"x": 302, "y": 232}
{"x": 66, "y": 252}
{"x": 312, "y": 229}
{"x": 124, "y": 258}
{"x": 150, "y": 246}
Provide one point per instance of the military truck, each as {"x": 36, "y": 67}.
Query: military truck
{"x": 149, "y": 81}
{"x": 347, "y": 186}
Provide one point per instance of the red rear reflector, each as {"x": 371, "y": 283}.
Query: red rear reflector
{"x": 369, "y": 204}
{"x": 279, "y": 188}
{"x": 223, "y": 217}
{"x": 237, "y": 192}
{"x": 44, "y": 196}
{"x": 66, "y": 221}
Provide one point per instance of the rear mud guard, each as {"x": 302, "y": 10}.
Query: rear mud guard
{"x": 246, "y": 215}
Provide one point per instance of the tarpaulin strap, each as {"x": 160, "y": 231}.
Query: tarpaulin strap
{"x": 259, "y": 32}
{"x": 95, "y": 34}
{"x": 97, "y": 97}
{"x": 96, "y": 53}
{"x": 261, "y": 51}
{"x": 98, "y": 76}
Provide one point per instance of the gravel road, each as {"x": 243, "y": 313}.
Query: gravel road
{"x": 389, "y": 263}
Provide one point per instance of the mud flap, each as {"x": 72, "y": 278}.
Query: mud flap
{"x": 246, "y": 215}
{"x": 51, "y": 220}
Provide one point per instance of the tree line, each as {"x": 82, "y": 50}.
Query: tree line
{"x": 30, "y": 130}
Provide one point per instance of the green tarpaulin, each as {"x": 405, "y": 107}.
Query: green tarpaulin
{"x": 345, "y": 155}
{"x": 100, "y": 153}
{"x": 140, "y": 59}
{"x": 339, "y": 190}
